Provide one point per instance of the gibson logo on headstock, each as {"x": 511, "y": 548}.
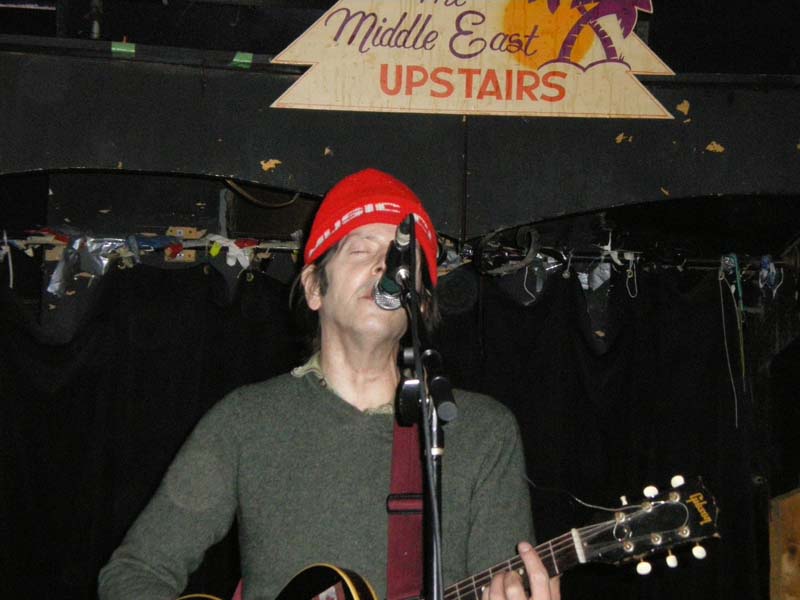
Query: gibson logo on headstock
{"x": 698, "y": 501}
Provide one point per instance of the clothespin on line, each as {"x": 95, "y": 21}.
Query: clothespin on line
{"x": 609, "y": 251}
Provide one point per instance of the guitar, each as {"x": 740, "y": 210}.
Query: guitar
{"x": 660, "y": 521}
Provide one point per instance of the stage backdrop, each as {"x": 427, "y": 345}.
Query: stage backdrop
{"x": 88, "y": 426}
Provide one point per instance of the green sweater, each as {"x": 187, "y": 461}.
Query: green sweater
{"x": 306, "y": 475}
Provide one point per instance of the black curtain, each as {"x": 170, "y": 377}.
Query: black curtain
{"x": 90, "y": 425}
{"x": 612, "y": 393}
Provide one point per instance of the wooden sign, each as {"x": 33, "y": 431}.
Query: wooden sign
{"x": 556, "y": 58}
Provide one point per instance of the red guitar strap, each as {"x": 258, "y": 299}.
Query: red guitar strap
{"x": 404, "y": 504}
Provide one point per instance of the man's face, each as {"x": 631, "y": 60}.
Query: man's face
{"x": 348, "y": 308}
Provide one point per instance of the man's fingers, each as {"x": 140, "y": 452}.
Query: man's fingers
{"x": 555, "y": 588}
{"x": 508, "y": 585}
{"x": 538, "y": 576}
{"x": 513, "y": 588}
{"x": 505, "y": 586}
{"x": 494, "y": 588}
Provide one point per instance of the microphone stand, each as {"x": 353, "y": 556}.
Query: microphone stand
{"x": 425, "y": 398}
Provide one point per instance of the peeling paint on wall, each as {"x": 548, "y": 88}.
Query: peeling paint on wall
{"x": 683, "y": 108}
{"x": 623, "y": 138}
{"x": 270, "y": 165}
{"x": 715, "y": 147}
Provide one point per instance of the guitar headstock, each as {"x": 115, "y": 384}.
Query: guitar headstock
{"x": 686, "y": 513}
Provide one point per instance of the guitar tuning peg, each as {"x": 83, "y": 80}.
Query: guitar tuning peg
{"x": 672, "y": 560}
{"x": 650, "y": 491}
{"x": 677, "y": 481}
{"x": 644, "y": 567}
{"x": 699, "y": 552}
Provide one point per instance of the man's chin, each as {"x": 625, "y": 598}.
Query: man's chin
{"x": 383, "y": 324}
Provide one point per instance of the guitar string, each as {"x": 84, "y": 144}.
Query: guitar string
{"x": 560, "y": 545}
{"x": 454, "y": 591}
{"x": 474, "y": 585}
{"x": 557, "y": 546}
{"x": 570, "y": 494}
{"x": 549, "y": 551}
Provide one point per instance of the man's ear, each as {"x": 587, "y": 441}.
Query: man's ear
{"x": 310, "y": 281}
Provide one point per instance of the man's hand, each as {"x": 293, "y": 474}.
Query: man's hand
{"x": 508, "y": 586}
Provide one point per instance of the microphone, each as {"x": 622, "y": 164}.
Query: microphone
{"x": 389, "y": 287}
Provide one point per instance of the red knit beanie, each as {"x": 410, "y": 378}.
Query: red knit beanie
{"x": 366, "y": 197}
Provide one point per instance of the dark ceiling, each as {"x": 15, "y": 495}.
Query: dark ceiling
{"x": 703, "y": 36}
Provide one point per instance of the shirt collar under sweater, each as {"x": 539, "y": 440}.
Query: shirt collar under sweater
{"x": 313, "y": 367}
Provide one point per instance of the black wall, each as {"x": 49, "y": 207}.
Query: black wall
{"x": 89, "y": 425}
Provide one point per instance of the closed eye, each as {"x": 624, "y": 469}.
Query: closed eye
{"x": 360, "y": 245}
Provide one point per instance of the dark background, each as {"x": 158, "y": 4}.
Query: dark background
{"x": 707, "y": 36}
{"x": 100, "y": 388}
{"x": 89, "y": 425}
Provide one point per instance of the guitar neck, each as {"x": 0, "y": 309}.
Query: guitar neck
{"x": 684, "y": 514}
{"x": 558, "y": 555}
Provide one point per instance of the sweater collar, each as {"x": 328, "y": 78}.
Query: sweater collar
{"x": 313, "y": 367}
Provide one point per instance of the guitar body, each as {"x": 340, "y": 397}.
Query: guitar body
{"x": 327, "y": 582}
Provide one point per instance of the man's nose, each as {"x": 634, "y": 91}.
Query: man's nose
{"x": 379, "y": 265}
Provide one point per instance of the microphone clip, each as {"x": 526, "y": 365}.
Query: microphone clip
{"x": 397, "y": 280}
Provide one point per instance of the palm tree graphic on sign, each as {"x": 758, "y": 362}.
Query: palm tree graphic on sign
{"x": 626, "y": 12}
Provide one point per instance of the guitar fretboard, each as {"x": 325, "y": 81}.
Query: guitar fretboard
{"x": 558, "y": 555}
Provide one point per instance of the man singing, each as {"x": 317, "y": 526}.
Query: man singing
{"x": 303, "y": 461}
